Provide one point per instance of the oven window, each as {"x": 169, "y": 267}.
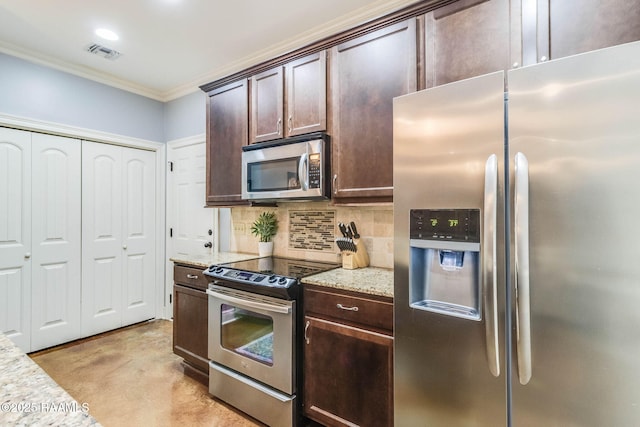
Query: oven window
{"x": 247, "y": 333}
{"x": 273, "y": 175}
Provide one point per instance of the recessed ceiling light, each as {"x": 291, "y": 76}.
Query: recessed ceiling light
{"x": 107, "y": 34}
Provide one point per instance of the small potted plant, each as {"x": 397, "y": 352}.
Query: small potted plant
{"x": 265, "y": 227}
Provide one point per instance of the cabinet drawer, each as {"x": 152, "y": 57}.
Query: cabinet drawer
{"x": 354, "y": 309}
{"x": 190, "y": 276}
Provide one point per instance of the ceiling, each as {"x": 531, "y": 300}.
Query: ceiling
{"x": 170, "y": 47}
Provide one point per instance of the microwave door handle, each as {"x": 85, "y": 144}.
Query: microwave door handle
{"x": 303, "y": 172}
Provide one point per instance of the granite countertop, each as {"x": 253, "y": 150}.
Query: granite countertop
{"x": 204, "y": 261}
{"x": 370, "y": 280}
{"x": 30, "y": 397}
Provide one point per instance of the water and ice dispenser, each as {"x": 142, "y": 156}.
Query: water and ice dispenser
{"x": 444, "y": 263}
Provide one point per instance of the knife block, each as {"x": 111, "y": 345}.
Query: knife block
{"x": 358, "y": 259}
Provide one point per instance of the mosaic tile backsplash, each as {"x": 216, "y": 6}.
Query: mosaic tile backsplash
{"x": 312, "y": 230}
{"x": 308, "y": 230}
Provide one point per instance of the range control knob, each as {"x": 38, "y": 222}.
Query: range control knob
{"x": 282, "y": 281}
{"x": 219, "y": 270}
{"x": 272, "y": 279}
{"x": 213, "y": 267}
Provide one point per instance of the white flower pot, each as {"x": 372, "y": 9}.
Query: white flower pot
{"x": 265, "y": 248}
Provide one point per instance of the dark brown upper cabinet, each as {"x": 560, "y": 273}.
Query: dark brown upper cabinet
{"x": 302, "y": 84}
{"x": 468, "y": 38}
{"x": 227, "y": 133}
{"x": 553, "y": 29}
{"x": 367, "y": 72}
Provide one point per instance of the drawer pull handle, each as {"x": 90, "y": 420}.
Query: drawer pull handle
{"x": 191, "y": 276}
{"x": 342, "y": 307}
{"x": 306, "y": 327}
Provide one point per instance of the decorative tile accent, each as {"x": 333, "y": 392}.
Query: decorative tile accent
{"x": 312, "y": 230}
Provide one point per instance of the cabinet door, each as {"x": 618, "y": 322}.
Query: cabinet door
{"x": 15, "y": 236}
{"x": 267, "y": 102}
{"x": 56, "y": 236}
{"x": 366, "y": 74}
{"x": 465, "y": 39}
{"x": 306, "y": 107}
{"x": 190, "y": 323}
{"x": 348, "y": 375}
{"x": 553, "y": 29}
{"x": 101, "y": 237}
{"x": 138, "y": 235}
{"x": 227, "y": 133}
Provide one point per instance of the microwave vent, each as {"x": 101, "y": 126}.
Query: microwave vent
{"x": 103, "y": 51}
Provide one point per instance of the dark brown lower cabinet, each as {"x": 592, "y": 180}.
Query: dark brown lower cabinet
{"x": 348, "y": 368}
{"x": 190, "y": 318}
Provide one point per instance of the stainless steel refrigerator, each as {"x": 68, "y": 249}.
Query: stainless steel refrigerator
{"x": 517, "y": 247}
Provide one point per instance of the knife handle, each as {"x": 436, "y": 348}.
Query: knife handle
{"x": 355, "y": 230}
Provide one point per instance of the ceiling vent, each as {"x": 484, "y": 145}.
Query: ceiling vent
{"x": 103, "y": 51}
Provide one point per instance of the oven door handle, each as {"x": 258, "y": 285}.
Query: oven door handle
{"x": 252, "y": 304}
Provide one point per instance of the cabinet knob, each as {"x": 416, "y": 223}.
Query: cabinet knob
{"x": 27, "y": 255}
{"x": 279, "y": 126}
{"x": 543, "y": 58}
{"x": 516, "y": 64}
{"x": 124, "y": 247}
{"x": 192, "y": 276}
{"x": 290, "y": 121}
{"x": 208, "y": 245}
{"x": 335, "y": 189}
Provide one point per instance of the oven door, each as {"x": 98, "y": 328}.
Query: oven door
{"x": 253, "y": 335}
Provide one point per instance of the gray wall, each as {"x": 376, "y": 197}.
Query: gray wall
{"x": 37, "y": 92}
{"x": 186, "y": 116}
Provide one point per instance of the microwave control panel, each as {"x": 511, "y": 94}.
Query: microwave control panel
{"x": 458, "y": 225}
{"x": 314, "y": 170}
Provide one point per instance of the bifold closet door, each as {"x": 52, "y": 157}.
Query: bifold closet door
{"x": 138, "y": 235}
{"x": 118, "y": 224}
{"x": 56, "y": 238}
{"x": 15, "y": 236}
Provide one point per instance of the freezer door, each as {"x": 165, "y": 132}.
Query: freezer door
{"x": 574, "y": 130}
{"x": 448, "y": 159}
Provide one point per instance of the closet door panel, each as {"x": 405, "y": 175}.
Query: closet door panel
{"x": 101, "y": 237}
{"x": 56, "y": 237}
{"x": 139, "y": 224}
{"x": 15, "y": 236}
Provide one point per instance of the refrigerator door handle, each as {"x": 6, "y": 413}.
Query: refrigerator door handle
{"x": 489, "y": 257}
{"x": 521, "y": 224}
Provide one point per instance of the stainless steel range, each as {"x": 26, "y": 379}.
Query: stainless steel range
{"x": 254, "y": 342}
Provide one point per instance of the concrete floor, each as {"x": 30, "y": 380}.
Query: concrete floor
{"x": 130, "y": 377}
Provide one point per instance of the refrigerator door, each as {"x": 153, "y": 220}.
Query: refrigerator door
{"x": 448, "y": 168}
{"x": 574, "y": 130}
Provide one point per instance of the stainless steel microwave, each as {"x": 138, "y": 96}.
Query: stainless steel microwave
{"x": 294, "y": 168}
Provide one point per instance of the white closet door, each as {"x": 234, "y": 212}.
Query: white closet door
{"x": 139, "y": 227}
{"x": 102, "y": 240}
{"x": 56, "y": 239}
{"x": 15, "y": 236}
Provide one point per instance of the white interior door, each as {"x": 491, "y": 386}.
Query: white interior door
{"x": 56, "y": 239}
{"x": 15, "y": 236}
{"x": 139, "y": 226}
{"x": 188, "y": 221}
{"x": 102, "y": 240}
{"x": 191, "y": 223}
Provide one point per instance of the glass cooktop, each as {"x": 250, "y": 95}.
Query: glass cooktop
{"x": 288, "y": 267}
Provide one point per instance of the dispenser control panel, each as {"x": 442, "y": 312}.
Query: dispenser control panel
{"x": 456, "y": 225}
